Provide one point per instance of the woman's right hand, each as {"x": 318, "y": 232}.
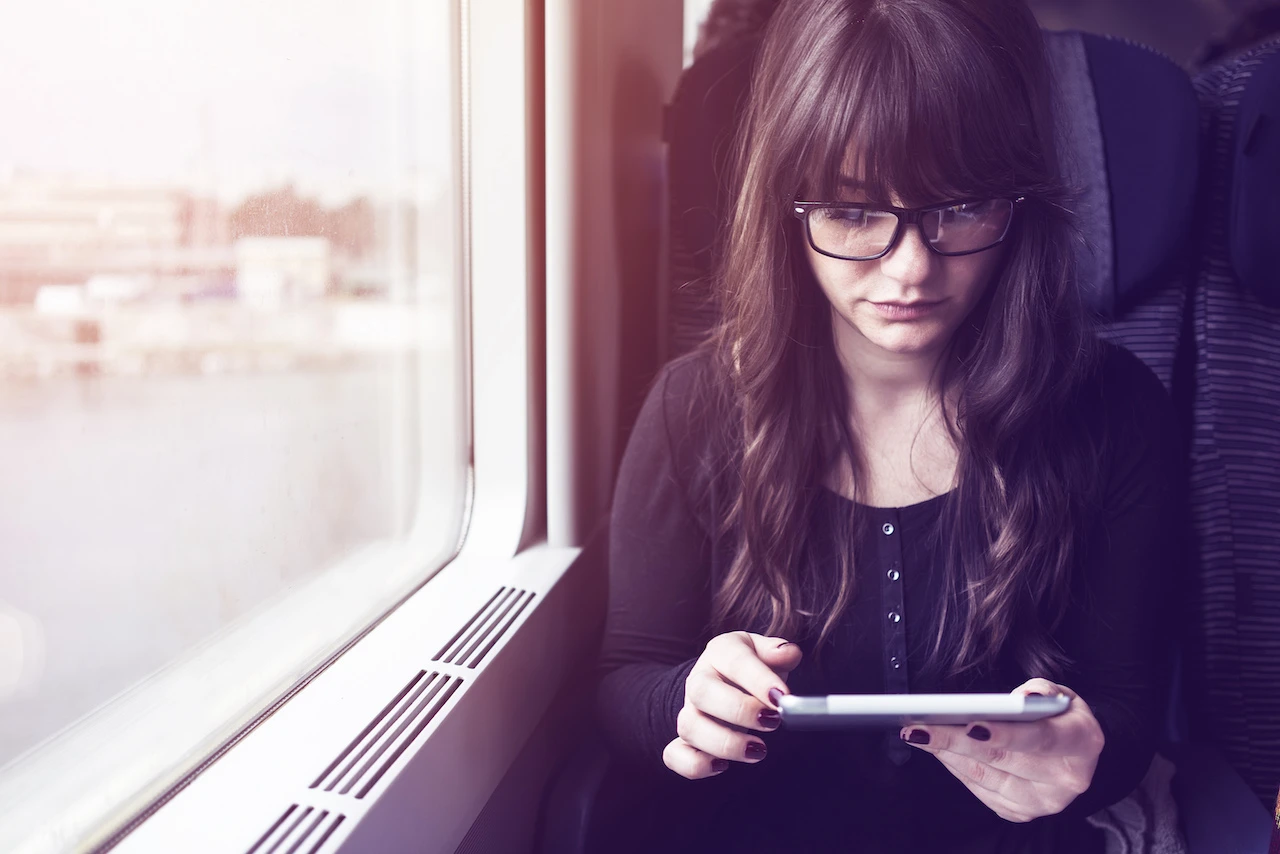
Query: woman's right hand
{"x": 730, "y": 683}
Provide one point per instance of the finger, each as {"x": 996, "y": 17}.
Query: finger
{"x": 781, "y": 655}
{"x": 1074, "y": 731}
{"x": 1047, "y": 688}
{"x": 1030, "y": 798}
{"x": 955, "y": 741}
{"x": 733, "y": 656}
{"x": 987, "y": 791}
{"x": 1077, "y": 729}
{"x": 687, "y": 761}
{"x": 983, "y": 775}
{"x": 1043, "y": 687}
{"x": 1078, "y": 712}
{"x": 1061, "y": 751}
{"x": 714, "y": 738}
{"x": 778, "y": 654}
{"x": 995, "y": 742}
{"x": 976, "y": 774}
{"x": 707, "y": 692}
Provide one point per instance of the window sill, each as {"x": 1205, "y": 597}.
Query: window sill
{"x": 111, "y": 763}
{"x": 431, "y": 794}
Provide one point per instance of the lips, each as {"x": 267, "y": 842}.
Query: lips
{"x": 906, "y": 310}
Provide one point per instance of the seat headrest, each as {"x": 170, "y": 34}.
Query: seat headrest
{"x": 699, "y": 128}
{"x": 1254, "y": 213}
{"x": 1129, "y": 139}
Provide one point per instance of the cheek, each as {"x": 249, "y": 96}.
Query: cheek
{"x": 817, "y": 267}
{"x": 984, "y": 275}
{"x": 973, "y": 282}
{"x": 834, "y": 277}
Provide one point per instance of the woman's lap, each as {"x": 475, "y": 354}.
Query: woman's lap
{"x": 731, "y": 813}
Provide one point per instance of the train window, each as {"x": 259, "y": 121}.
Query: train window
{"x": 695, "y": 13}
{"x": 231, "y": 354}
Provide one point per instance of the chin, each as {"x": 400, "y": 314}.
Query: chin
{"x": 908, "y": 347}
{"x": 907, "y": 340}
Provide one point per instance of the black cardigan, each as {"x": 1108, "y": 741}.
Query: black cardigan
{"x": 865, "y": 790}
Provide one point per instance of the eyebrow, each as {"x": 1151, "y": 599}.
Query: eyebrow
{"x": 848, "y": 182}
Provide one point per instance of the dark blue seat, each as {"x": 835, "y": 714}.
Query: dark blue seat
{"x": 1233, "y": 663}
{"x": 1130, "y": 141}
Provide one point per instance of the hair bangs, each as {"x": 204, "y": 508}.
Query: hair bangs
{"x": 930, "y": 114}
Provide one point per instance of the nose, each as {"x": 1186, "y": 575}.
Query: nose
{"x": 909, "y": 261}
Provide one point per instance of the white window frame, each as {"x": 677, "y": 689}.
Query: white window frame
{"x": 126, "y": 759}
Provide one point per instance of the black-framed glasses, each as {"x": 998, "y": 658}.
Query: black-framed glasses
{"x": 855, "y": 232}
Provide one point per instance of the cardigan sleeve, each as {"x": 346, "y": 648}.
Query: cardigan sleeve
{"x": 659, "y": 577}
{"x": 1118, "y": 628}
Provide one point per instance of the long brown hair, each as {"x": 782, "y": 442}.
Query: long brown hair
{"x": 945, "y": 99}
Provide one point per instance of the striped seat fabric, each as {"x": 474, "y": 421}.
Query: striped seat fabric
{"x": 1233, "y": 666}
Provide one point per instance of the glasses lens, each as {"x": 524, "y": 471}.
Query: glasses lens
{"x": 851, "y": 232}
{"x": 967, "y": 227}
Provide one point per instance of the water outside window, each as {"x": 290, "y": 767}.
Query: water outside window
{"x": 227, "y": 296}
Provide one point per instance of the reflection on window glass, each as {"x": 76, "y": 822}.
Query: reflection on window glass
{"x": 226, "y": 294}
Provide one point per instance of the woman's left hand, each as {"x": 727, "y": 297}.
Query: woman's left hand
{"x": 1025, "y": 770}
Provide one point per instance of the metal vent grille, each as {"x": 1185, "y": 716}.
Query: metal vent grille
{"x": 301, "y": 830}
{"x": 380, "y": 744}
{"x": 474, "y": 640}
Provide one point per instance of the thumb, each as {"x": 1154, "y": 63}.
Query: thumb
{"x": 780, "y": 654}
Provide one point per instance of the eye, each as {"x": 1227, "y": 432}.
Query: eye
{"x": 969, "y": 209}
{"x": 847, "y": 216}
{"x": 850, "y": 218}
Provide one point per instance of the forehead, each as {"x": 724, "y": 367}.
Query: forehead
{"x": 853, "y": 183}
{"x": 900, "y": 178}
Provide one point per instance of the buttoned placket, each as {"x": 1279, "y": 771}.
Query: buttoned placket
{"x": 888, "y": 564}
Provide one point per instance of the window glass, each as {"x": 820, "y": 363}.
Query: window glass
{"x": 229, "y": 347}
{"x": 695, "y": 13}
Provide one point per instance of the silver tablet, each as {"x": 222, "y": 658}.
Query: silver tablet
{"x": 842, "y": 711}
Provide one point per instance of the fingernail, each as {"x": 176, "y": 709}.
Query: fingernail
{"x": 775, "y": 696}
{"x": 1034, "y": 694}
{"x": 918, "y": 736}
{"x": 769, "y": 719}
{"x": 980, "y": 732}
{"x": 784, "y": 643}
{"x": 718, "y": 765}
{"x": 756, "y": 750}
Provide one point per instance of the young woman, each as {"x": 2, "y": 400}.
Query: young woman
{"x": 904, "y": 464}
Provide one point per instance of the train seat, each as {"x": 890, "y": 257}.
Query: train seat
{"x": 1129, "y": 138}
{"x": 1235, "y": 454}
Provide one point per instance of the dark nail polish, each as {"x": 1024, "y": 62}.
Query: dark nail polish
{"x": 918, "y": 736}
{"x": 769, "y": 719}
{"x": 756, "y": 750}
{"x": 981, "y": 733}
{"x": 775, "y": 696}
{"x": 718, "y": 765}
